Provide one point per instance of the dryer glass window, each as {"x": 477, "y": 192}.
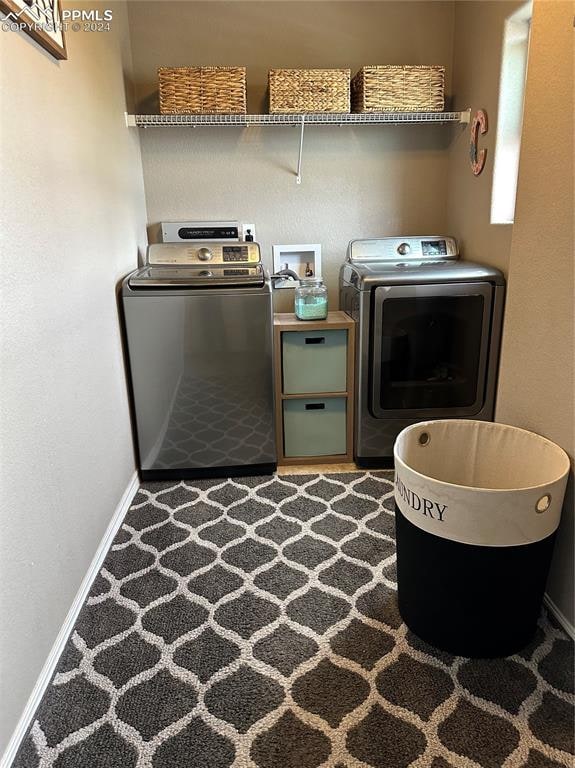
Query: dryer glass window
{"x": 431, "y": 351}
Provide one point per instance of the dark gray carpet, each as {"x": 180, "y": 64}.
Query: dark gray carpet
{"x": 253, "y": 623}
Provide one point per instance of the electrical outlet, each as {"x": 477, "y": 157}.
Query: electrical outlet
{"x": 248, "y": 227}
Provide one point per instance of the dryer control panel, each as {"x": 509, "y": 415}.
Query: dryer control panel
{"x": 403, "y": 249}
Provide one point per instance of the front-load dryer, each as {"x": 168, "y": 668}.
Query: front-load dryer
{"x": 428, "y": 332}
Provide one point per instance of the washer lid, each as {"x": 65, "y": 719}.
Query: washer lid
{"x": 207, "y": 276}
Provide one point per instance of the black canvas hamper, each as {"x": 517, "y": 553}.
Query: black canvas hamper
{"x": 477, "y": 505}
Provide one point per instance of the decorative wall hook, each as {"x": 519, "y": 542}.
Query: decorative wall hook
{"x": 478, "y": 125}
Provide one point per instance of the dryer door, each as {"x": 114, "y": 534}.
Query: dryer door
{"x": 430, "y": 347}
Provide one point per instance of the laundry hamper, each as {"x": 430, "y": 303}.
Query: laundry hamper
{"x": 477, "y": 505}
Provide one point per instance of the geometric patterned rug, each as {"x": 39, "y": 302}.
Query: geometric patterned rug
{"x": 253, "y": 623}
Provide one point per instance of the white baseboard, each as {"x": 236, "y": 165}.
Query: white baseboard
{"x": 561, "y": 618}
{"x": 50, "y": 665}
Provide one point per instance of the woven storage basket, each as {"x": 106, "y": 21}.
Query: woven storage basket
{"x": 202, "y": 90}
{"x": 309, "y": 90}
{"x": 398, "y": 89}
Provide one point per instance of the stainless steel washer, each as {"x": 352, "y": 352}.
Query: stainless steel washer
{"x": 428, "y": 337}
{"x": 198, "y": 325}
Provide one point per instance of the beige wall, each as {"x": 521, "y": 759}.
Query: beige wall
{"x": 357, "y": 182}
{"x": 73, "y": 217}
{"x": 536, "y": 379}
{"x": 477, "y": 47}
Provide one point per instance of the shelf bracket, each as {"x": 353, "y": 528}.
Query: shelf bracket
{"x": 299, "y": 159}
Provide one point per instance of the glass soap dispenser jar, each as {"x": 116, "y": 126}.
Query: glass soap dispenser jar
{"x": 311, "y": 299}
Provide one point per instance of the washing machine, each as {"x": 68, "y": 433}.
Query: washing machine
{"x": 428, "y": 333}
{"x": 198, "y": 326}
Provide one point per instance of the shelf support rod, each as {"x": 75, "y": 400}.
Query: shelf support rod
{"x": 299, "y": 160}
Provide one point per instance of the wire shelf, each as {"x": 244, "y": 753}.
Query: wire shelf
{"x": 246, "y": 121}
{"x": 301, "y": 121}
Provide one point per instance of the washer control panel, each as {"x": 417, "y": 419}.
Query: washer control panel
{"x": 204, "y": 253}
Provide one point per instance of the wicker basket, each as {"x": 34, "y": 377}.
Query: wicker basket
{"x": 398, "y": 89}
{"x": 309, "y": 90}
{"x": 202, "y": 90}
